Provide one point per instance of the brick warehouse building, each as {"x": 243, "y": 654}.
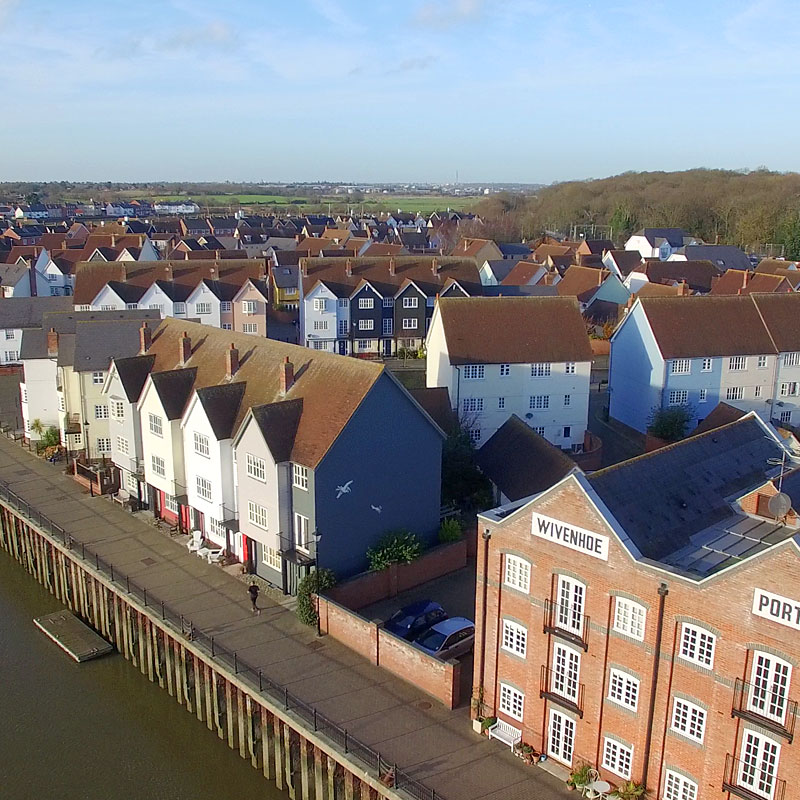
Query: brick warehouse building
{"x": 674, "y": 552}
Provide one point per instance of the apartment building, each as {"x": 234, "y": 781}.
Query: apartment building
{"x": 698, "y": 351}
{"x": 644, "y": 619}
{"x": 499, "y": 356}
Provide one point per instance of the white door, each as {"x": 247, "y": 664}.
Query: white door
{"x": 571, "y": 595}
{"x": 759, "y": 764}
{"x": 769, "y": 686}
{"x": 561, "y": 742}
{"x": 566, "y": 672}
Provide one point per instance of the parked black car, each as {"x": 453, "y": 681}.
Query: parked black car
{"x": 416, "y": 618}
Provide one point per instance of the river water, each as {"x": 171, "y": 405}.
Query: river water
{"x": 98, "y": 730}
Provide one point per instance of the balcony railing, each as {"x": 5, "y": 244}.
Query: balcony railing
{"x": 747, "y": 780}
{"x": 566, "y": 623}
{"x": 771, "y": 710}
{"x": 559, "y": 688}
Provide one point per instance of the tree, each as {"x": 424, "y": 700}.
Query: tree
{"x": 671, "y": 424}
{"x": 463, "y": 484}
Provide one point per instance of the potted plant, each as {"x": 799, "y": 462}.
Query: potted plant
{"x": 487, "y": 723}
{"x": 580, "y": 776}
{"x": 630, "y": 790}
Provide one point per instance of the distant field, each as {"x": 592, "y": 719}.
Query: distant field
{"x": 338, "y": 203}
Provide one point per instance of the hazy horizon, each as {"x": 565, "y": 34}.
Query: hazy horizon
{"x": 509, "y": 91}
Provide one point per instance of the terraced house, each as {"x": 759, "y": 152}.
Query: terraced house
{"x": 644, "y": 619}
{"x": 280, "y": 455}
{"x": 699, "y": 351}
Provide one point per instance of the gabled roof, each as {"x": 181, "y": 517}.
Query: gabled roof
{"x": 471, "y": 248}
{"x": 785, "y": 271}
{"x": 723, "y": 414}
{"x": 435, "y": 401}
{"x": 626, "y": 260}
{"x": 26, "y": 312}
{"x": 581, "y": 282}
{"x": 698, "y": 327}
{"x": 674, "y": 236}
{"x": 221, "y": 404}
{"x": 133, "y": 374}
{"x": 513, "y": 330}
{"x": 278, "y": 423}
{"x": 698, "y": 275}
{"x": 595, "y": 246}
{"x": 781, "y": 315}
{"x": 662, "y": 290}
{"x": 520, "y": 462}
{"x": 174, "y": 388}
{"x": 741, "y": 281}
{"x": 721, "y": 255}
{"x": 98, "y": 342}
{"x": 520, "y": 273}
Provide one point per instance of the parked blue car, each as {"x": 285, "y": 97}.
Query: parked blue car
{"x": 413, "y": 620}
{"x": 451, "y": 638}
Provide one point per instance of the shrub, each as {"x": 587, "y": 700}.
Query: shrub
{"x": 450, "y": 531}
{"x": 629, "y": 790}
{"x": 315, "y": 582}
{"x": 51, "y": 437}
{"x": 580, "y": 775}
{"x": 672, "y": 423}
{"x": 398, "y": 547}
{"x": 487, "y": 722}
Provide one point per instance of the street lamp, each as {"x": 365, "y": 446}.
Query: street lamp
{"x": 317, "y": 539}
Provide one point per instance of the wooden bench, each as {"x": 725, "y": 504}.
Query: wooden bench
{"x": 506, "y": 733}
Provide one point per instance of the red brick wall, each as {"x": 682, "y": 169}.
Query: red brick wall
{"x": 371, "y": 587}
{"x": 722, "y": 603}
{"x": 441, "y": 679}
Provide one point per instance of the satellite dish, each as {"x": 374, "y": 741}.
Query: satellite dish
{"x": 779, "y": 505}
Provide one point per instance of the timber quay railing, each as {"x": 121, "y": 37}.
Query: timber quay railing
{"x": 338, "y": 737}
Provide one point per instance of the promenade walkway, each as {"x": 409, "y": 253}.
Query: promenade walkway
{"x": 434, "y": 745}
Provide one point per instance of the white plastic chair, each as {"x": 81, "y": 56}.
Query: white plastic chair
{"x": 196, "y": 542}
{"x": 588, "y": 790}
{"x": 214, "y": 555}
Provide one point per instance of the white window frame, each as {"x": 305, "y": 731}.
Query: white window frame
{"x": 257, "y": 515}
{"x": 103, "y": 444}
{"x": 301, "y": 530}
{"x": 623, "y": 689}
{"x": 702, "y": 396}
{"x": 569, "y": 368}
{"x": 757, "y": 391}
{"x": 501, "y": 403}
{"x": 681, "y": 366}
{"x": 517, "y": 573}
{"x": 759, "y": 757}
{"x": 117, "y": 409}
{"x": 101, "y": 410}
{"x": 678, "y": 397}
{"x": 707, "y": 365}
{"x": 475, "y": 434}
{"x": 225, "y": 305}
{"x": 252, "y": 327}
{"x": 202, "y": 308}
{"x": 789, "y": 359}
{"x": 201, "y": 445}
{"x": 515, "y": 638}
{"x": 411, "y": 302}
{"x": 617, "y": 757}
{"x": 300, "y": 476}
{"x": 734, "y": 393}
{"x": 98, "y": 378}
{"x": 250, "y": 306}
{"x": 410, "y": 323}
{"x": 474, "y": 372}
{"x": 170, "y": 503}
{"x": 387, "y": 327}
{"x": 539, "y": 402}
{"x": 159, "y": 466}
{"x": 472, "y": 405}
{"x": 540, "y": 370}
{"x": 271, "y": 558}
{"x": 697, "y": 645}
{"x": 571, "y": 602}
{"x": 737, "y": 363}
{"x": 770, "y": 679}
{"x": 567, "y": 400}
{"x": 256, "y": 468}
{"x": 630, "y": 618}
{"x": 512, "y": 701}
{"x": 368, "y": 324}
{"x": 205, "y": 491}
{"x": 123, "y": 446}
{"x": 156, "y": 425}
{"x": 561, "y": 737}
{"x": 679, "y": 787}
{"x": 505, "y": 370}
{"x": 320, "y": 304}
{"x": 366, "y": 303}
{"x": 761, "y": 363}
{"x": 688, "y": 720}
{"x": 566, "y": 672}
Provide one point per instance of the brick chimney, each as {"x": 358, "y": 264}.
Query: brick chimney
{"x": 599, "y": 277}
{"x": 287, "y": 375}
{"x": 184, "y": 348}
{"x": 745, "y": 278}
{"x": 348, "y": 268}
{"x": 304, "y": 267}
{"x": 683, "y": 289}
{"x": 145, "y": 338}
{"x": 231, "y": 361}
{"x": 435, "y": 266}
{"x": 392, "y": 267}
{"x": 52, "y": 343}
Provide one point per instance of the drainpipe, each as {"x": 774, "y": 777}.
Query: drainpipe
{"x": 663, "y": 591}
{"x": 486, "y": 536}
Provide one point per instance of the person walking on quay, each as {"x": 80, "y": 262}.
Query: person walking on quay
{"x": 253, "y": 591}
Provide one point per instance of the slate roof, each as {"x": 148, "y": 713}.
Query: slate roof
{"x": 174, "y": 388}
{"x": 680, "y": 512}
{"x": 221, "y": 405}
{"x": 596, "y": 246}
{"x": 514, "y": 330}
{"x": 133, "y": 374}
{"x": 11, "y": 274}
{"x": 286, "y": 277}
{"x": 626, "y": 260}
{"x": 698, "y": 275}
{"x": 520, "y": 462}
{"x": 722, "y": 255}
{"x": 513, "y": 249}
{"x": 278, "y": 423}
{"x": 674, "y": 236}
{"x": 26, "y": 312}
{"x": 722, "y": 414}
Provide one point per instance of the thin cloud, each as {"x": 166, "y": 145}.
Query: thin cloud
{"x": 333, "y": 12}
{"x": 448, "y": 13}
{"x": 418, "y": 64}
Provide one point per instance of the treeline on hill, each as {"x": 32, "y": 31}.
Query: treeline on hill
{"x": 749, "y": 209}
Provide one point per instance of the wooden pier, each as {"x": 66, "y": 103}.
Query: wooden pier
{"x": 73, "y": 636}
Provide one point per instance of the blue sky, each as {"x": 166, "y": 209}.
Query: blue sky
{"x": 500, "y": 90}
